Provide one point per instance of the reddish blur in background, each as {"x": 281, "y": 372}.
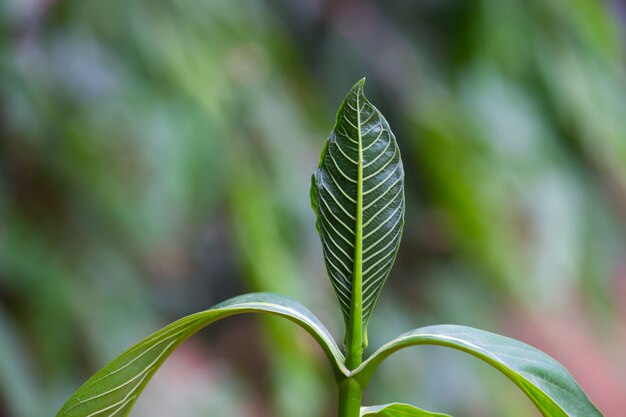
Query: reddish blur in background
{"x": 155, "y": 159}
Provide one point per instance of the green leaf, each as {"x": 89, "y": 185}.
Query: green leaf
{"x": 545, "y": 381}
{"x": 112, "y": 391}
{"x": 357, "y": 193}
{"x": 397, "y": 410}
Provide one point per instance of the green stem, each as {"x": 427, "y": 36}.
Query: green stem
{"x": 354, "y": 334}
{"x": 350, "y": 395}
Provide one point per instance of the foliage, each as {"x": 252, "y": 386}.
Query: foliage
{"x": 363, "y": 144}
{"x": 114, "y": 389}
{"x": 397, "y": 409}
{"x": 154, "y": 158}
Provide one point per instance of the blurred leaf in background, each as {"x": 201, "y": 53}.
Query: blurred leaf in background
{"x": 155, "y": 159}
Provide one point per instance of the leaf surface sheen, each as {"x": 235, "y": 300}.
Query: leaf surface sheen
{"x": 545, "y": 381}
{"x": 112, "y": 391}
{"x": 357, "y": 193}
{"x": 397, "y": 410}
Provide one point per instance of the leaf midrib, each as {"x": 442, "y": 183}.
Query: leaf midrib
{"x": 354, "y": 340}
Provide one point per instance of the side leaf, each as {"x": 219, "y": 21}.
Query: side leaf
{"x": 112, "y": 391}
{"x": 397, "y": 410}
{"x": 545, "y": 381}
{"x": 357, "y": 193}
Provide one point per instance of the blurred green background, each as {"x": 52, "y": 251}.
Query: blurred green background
{"x": 155, "y": 159}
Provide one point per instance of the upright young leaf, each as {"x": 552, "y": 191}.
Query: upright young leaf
{"x": 357, "y": 193}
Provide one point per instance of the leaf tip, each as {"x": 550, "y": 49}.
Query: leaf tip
{"x": 357, "y": 88}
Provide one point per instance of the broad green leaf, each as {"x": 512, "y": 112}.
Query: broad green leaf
{"x": 112, "y": 391}
{"x": 545, "y": 381}
{"x": 397, "y": 410}
{"x": 357, "y": 193}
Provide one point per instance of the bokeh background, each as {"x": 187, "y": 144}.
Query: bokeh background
{"x": 155, "y": 159}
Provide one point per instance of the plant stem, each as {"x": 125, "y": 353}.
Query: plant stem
{"x": 350, "y": 395}
{"x": 354, "y": 334}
